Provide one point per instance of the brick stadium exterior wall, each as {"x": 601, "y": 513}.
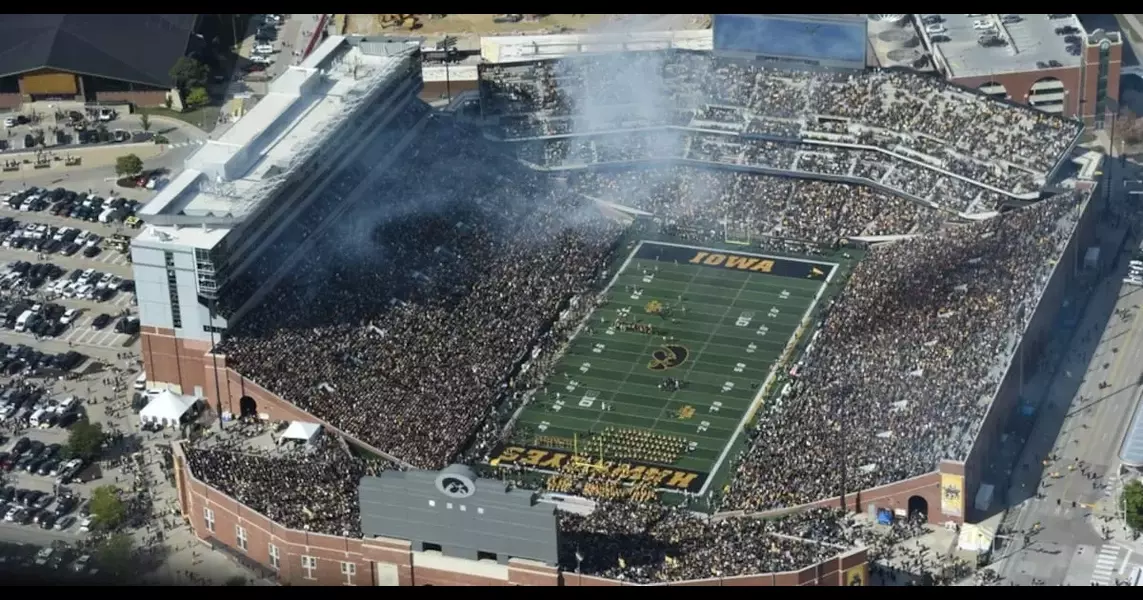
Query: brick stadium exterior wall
{"x": 1018, "y": 85}
{"x": 263, "y": 538}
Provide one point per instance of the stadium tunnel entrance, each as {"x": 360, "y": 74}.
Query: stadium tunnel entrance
{"x": 248, "y": 408}
{"x": 919, "y": 507}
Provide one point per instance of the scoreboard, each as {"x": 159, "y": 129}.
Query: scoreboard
{"x": 838, "y": 41}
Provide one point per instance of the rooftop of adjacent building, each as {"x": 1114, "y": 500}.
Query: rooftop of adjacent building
{"x": 1027, "y": 42}
{"x": 226, "y": 179}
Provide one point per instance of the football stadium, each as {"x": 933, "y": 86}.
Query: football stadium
{"x": 651, "y": 317}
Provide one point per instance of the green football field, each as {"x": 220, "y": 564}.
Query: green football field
{"x": 725, "y": 319}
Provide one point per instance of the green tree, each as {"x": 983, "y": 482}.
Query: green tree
{"x": 189, "y": 73}
{"x": 128, "y": 166}
{"x": 1133, "y": 504}
{"x": 85, "y": 440}
{"x": 145, "y": 121}
{"x": 116, "y": 554}
{"x": 107, "y": 509}
{"x": 197, "y": 97}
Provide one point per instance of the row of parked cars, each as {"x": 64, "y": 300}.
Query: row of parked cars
{"x": 49, "y": 239}
{"x": 36, "y": 410}
{"x": 61, "y": 202}
{"x": 25, "y": 507}
{"x": 14, "y": 359}
{"x": 30, "y": 276}
{"x": 90, "y": 284}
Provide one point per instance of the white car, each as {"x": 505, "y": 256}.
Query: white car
{"x": 261, "y": 60}
{"x": 85, "y": 526}
{"x": 43, "y": 556}
{"x": 10, "y": 122}
{"x": 263, "y": 49}
{"x": 935, "y": 28}
{"x": 983, "y": 24}
{"x": 69, "y": 316}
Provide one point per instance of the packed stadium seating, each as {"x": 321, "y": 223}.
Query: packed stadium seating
{"x": 411, "y": 315}
{"x": 642, "y": 543}
{"x": 891, "y": 127}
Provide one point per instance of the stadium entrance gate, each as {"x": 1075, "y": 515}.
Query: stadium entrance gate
{"x": 247, "y": 408}
{"x": 919, "y": 508}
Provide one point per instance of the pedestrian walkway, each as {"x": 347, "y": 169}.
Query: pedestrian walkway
{"x": 195, "y": 142}
{"x": 1107, "y": 565}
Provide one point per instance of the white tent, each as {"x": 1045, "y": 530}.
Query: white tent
{"x": 302, "y": 431}
{"x": 166, "y": 408}
{"x": 975, "y": 538}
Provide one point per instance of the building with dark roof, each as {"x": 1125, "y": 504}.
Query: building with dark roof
{"x": 90, "y": 58}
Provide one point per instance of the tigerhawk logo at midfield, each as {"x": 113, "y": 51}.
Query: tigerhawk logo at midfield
{"x": 668, "y": 356}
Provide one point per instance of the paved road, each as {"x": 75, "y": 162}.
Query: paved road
{"x": 290, "y": 40}
{"x": 1093, "y": 424}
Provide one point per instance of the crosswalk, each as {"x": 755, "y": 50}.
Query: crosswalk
{"x": 1106, "y": 565}
{"x": 186, "y": 143}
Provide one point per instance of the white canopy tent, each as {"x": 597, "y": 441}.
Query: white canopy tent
{"x": 166, "y": 408}
{"x": 301, "y": 431}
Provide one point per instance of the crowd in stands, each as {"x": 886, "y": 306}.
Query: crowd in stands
{"x": 652, "y": 543}
{"x": 763, "y": 111}
{"x": 759, "y": 205}
{"x": 856, "y": 165}
{"x": 908, "y": 358}
{"x": 642, "y": 542}
{"x": 412, "y": 312}
{"x": 314, "y": 492}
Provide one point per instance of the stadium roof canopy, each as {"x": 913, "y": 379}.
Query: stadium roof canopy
{"x": 122, "y": 47}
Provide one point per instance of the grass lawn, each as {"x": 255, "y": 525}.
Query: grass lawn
{"x": 204, "y": 118}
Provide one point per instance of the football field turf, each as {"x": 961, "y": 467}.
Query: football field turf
{"x": 719, "y": 322}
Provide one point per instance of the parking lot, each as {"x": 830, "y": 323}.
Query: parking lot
{"x": 41, "y": 506}
{"x": 62, "y": 128}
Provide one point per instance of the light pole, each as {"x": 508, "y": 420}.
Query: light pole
{"x": 448, "y": 46}
{"x": 214, "y": 360}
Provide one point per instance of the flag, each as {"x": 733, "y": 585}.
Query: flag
{"x": 622, "y": 563}
{"x": 578, "y": 555}
{"x": 670, "y": 560}
{"x": 816, "y": 272}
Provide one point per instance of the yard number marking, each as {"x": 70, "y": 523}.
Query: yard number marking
{"x": 589, "y": 399}
{"x": 598, "y": 348}
{"x": 703, "y": 426}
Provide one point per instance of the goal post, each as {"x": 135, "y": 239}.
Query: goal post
{"x": 737, "y": 231}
